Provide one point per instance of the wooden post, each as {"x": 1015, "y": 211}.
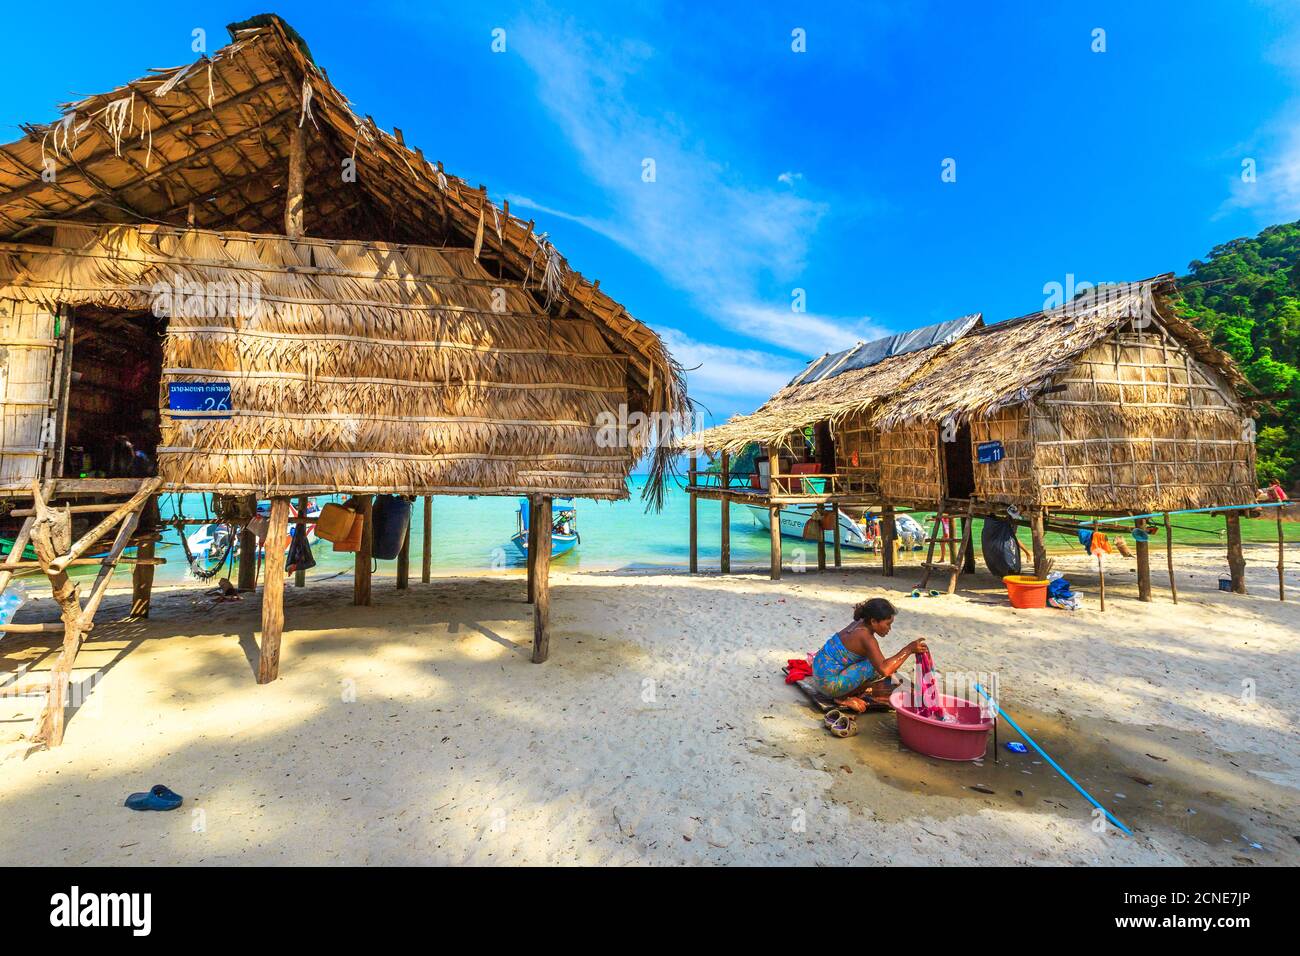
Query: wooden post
{"x": 1143, "y": 548}
{"x": 695, "y": 519}
{"x": 426, "y": 566}
{"x": 835, "y": 511}
{"x": 1236, "y": 560}
{"x": 1281, "y": 565}
{"x": 142, "y": 580}
{"x": 404, "y": 559}
{"x": 725, "y": 501}
{"x": 888, "y": 532}
{"x": 1169, "y": 558}
{"x": 821, "y": 538}
{"x": 294, "y": 193}
{"x": 542, "y": 584}
{"x": 361, "y": 567}
{"x": 774, "y": 519}
{"x": 247, "y": 580}
{"x": 300, "y": 574}
{"x": 1038, "y": 538}
{"x": 967, "y": 534}
{"x": 1101, "y": 580}
{"x": 531, "y": 558}
{"x": 268, "y": 660}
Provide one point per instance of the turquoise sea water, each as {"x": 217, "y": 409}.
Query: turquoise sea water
{"x": 474, "y": 535}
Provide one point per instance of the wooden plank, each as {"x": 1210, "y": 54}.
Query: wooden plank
{"x": 531, "y": 558}
{"x": 1236, "y": 559}
{"x": 91, "y": 537}
{"x": 268, "y": 660}
{"x": 967, "y": 531}
{"x": 300, "y": 574}
{"x": 1142, "y": 548}
{"x": 404, "y": 560}
{"x": 1281, "y": 564}
{"x": 426, "y": 563}
{"x": 542, "y": 582}
{"x": 835, "y": 510}
{"x": 142, "y": 574}
{"x": 361, "y": 566}
{"x": 247, "y": 580}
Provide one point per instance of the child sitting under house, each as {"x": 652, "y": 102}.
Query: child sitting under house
{"x": 851, "y": 668}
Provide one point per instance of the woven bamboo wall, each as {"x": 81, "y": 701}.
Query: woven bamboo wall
{"x": 1013, "y": 479}
{"x": 362, "y": 367}
{"x": 26, "y": 374}
{"x": 909, "y": 464}
{"x": 857, "y": 454}
{"x": 1143, "y": 426}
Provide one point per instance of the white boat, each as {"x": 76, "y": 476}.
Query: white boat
{"x": 795, "y": 517}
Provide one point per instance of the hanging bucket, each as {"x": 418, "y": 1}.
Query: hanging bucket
{"x": 335, "y": 523}
{"x": 391, "y": 518}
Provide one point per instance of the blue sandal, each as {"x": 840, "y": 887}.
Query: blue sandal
{"x": 158, "y": 798}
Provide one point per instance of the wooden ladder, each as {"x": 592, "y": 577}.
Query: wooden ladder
{"x": 49, "y": 529}
{"x": 957, "y": 546}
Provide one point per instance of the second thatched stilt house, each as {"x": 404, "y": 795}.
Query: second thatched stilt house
{"x": 1107, "y": 405}
{"x": 272, "y": 297}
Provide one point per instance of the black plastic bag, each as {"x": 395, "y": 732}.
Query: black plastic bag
{"x": 299, "y": 557}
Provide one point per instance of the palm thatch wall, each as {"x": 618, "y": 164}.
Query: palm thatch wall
{"x": 358, "y": 366}
{"x": 411, "y": 357}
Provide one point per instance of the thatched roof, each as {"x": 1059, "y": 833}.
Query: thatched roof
{"x": 833, "y": 392}
{"x": 209, "y": 142}
{"x": 975, "y": 372}
{"x": 1008, "y": 363}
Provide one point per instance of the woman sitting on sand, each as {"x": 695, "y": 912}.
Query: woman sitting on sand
{"x": 851, "y": 666}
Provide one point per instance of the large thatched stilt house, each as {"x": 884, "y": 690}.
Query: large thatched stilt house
{"x": 273, "y": 297}
{"x": 1107, "y": 405}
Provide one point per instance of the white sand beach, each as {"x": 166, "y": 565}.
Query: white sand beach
{"x": 660, "y": 731}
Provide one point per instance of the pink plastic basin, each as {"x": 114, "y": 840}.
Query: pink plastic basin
{"x": 965, "y": 739}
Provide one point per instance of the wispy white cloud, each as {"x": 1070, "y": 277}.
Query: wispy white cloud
{"x": 735, "y": 247}
{"x": 1270, "y": 184}
{"x": 720, "y": 374}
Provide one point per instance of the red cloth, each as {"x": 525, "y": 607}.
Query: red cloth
{"x": 799, "y": 668}
{"x": 926, "y": 683}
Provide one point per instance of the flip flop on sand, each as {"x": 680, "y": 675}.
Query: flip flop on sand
{"x": 841, "y": 724}
{"x": 158, "y": 798}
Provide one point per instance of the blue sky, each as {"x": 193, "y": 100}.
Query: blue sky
{"x": 778, "y": 170}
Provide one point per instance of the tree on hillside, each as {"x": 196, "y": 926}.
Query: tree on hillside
{"x": 1246, "y": 297}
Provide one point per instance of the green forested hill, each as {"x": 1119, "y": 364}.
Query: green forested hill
{"x": 1246, "y": 296}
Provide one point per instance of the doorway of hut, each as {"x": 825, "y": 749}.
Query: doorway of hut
{"x": 958, "y": 469}
{"x": 112, "y": 427}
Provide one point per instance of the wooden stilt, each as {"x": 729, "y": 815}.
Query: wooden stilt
{"x": 695, "y": 519}
{"x": 968, "y": 529}
{"x": 426, "y": 565}
{"x": 404, "y": 561}
{"x": 268, "y": 660}
{"x": 1143, "y": 549}
{"x": 1236, "y": 559}
{"x": 1038, "y": 539}
{"x": 361, "y": 575}
{"x": 542, "y": 584}
{"x": 725, "y": 502}
{"x": 142, "y": 580}
{"x": 774, "y": 518}
{"x": 247, "y": 579}
{"x": 888, "y": 532}
{"x": 821, "y": 538}
{"x": 1281, "y": 564}
{"x": 534, "y": 507}
{"x": 835, "y": 533}
{"x": 1101, "y": 580}
{"x": 1169, "y": 558}
{"x": 300, "y": 574}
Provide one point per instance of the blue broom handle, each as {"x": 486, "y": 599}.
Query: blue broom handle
{"x": 1055, "y": 766}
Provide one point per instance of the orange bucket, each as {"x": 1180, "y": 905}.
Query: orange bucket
{"x": 1026, "y": 591}
{"x": 353, "y": 541}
